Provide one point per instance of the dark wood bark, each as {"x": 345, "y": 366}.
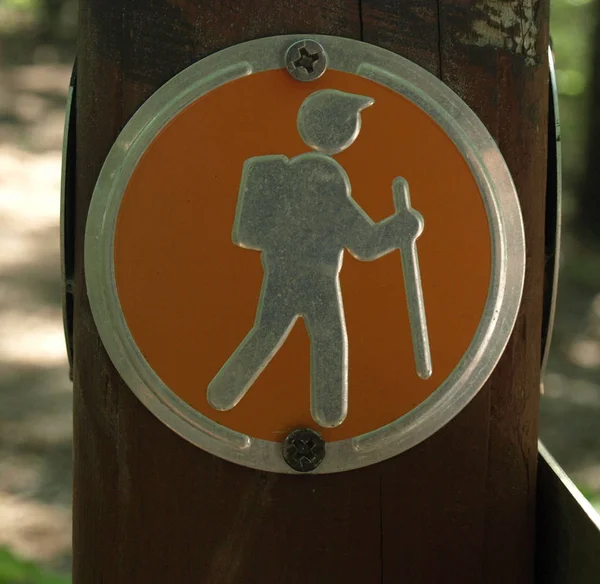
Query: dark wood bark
{"x": 149, "y": 507}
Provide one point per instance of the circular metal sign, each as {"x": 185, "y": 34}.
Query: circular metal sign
{"x": 304, "y": 255}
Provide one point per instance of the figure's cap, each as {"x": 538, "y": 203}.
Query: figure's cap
{"x": 329, "y": 120}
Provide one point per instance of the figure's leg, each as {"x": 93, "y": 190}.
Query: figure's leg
{"x": 273, "y": 323}
{"x": 328, "y": 355}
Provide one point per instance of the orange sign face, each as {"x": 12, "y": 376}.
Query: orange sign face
{"x": 327, "y": 255}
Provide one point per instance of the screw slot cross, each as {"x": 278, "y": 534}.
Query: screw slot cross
{"x": 304, "y": 449}
{"x": 306, "y": 60}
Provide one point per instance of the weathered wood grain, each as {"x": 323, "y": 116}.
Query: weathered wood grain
{"x": 458, "y": 508}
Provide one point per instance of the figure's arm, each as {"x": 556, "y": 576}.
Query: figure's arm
{"x": 365, "y": 239}
{"x": 368, "y": 240}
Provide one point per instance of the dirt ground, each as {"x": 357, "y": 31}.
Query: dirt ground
{"x": 35, "y": 392}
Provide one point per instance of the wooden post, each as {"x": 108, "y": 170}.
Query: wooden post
{"x": 149, "y": 507}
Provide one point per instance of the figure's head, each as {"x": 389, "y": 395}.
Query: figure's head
{"x": 329, "y": 120}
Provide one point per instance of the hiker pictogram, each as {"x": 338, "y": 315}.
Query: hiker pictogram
{"x": 300, "y": 214}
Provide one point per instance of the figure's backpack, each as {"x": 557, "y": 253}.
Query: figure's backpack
{"x": 259, "y": 200}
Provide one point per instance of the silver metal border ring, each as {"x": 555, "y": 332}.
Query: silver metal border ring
{"x": 478, "y": 149}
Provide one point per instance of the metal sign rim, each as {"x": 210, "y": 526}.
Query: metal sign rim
{"x": 457, "y": 120}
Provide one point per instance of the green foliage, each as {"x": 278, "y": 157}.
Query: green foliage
{"x": 15, "y": 571}
{"x": 572, "y": 26}
{"x": 581, "y": 268}
{"x": 19, "y": 5}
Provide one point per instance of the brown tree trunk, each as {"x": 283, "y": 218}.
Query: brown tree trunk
{"x": 149, "y": 507}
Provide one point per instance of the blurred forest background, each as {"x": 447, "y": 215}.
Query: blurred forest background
{"x": 37, "y": 47}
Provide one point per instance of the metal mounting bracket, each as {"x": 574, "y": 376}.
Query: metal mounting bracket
{"x": 553, "y": 215}
{"x": 67, "y": 217}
